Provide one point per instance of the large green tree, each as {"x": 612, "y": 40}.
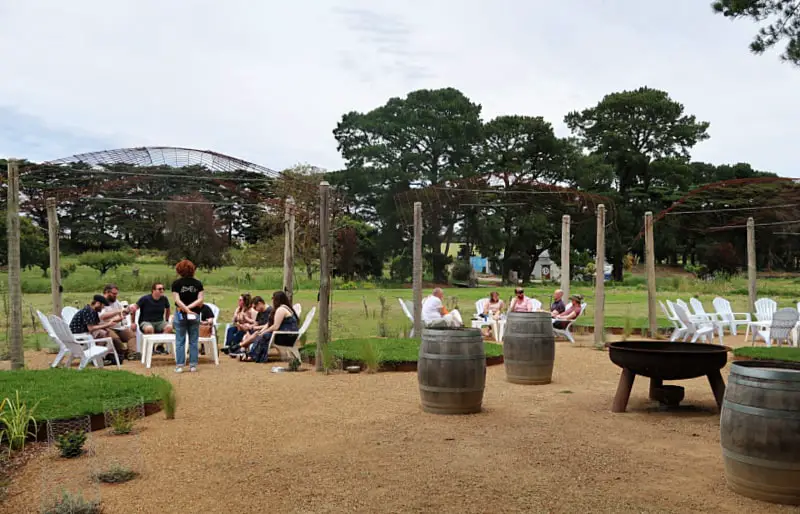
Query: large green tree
{"x": 629, "y": 130}
{"x": 782, "y": 19}
{"x": 424, "y": 139}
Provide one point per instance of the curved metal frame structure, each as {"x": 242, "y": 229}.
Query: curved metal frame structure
{"x": 177, "y": 157}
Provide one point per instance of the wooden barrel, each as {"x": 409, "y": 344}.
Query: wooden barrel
{"x": 760, "y": 431}
{"x": 451, "y": 371}
{"x": 529, "y": 348}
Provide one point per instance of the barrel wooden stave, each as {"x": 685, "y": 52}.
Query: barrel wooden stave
{"x": 451, "y": 371}
{"x": 760, "y": 432}
{"x": 529, "y": 348}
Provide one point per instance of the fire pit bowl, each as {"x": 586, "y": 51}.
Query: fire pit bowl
{"x": 661, "y": 361}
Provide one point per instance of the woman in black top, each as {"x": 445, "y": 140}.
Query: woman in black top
{"x": 187, "y": 293}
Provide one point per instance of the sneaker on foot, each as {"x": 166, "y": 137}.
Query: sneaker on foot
{"x": 193, "y": 369}
{"x": 179, "y": 370}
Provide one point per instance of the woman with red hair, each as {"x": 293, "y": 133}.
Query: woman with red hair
{"x": 187, "y": 293}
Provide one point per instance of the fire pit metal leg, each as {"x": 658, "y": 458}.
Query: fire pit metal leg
{"x": 623, "y": 390}
{"x": 718, "y": 386}
{"x": 655, "y": 383}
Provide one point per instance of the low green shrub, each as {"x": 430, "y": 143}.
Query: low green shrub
{"x": 71, "y": 444}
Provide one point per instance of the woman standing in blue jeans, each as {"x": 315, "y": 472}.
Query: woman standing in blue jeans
{"x": 187, "y": 293}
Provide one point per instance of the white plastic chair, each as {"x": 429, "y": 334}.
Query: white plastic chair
{"x": 407, "y": 312}
{"x": 677, "y": 328}
{"x": 727, "y": 317}
{"x": 682, "y": 328}
{"x": 765, "y": 309}
{"x": 293, "y": 350}
{"x": 783, "y": 322}
{"x": 62, "y": 348}
{"x": 297, "y": 308}
{"x": 67, "y": 313}
{"x": 566, "y": 331}
{"x": 93, "y": 353}
{"x": 479, "y": 322}
{"x": 694, "y": 329}
{"x": 211, "y": 341}
{"x": 701, "y": 314}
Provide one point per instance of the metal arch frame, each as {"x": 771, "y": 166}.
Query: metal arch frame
{"x": 177, "y": 157}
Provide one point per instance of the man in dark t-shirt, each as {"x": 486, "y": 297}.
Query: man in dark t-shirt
{"x": 87, "y": 321}
{"x": 154, "y": 311}
{"x": 557, "y": 307}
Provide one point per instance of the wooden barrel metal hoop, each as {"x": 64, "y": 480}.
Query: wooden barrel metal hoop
{"x": 451, "y": 371}
{"x": 760, "y": 431}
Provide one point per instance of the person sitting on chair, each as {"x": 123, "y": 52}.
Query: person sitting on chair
{"x": 262, "y": 319}
{"x": 493, "y": 309}
{"x": 282, "y": 318}
{"x": 558, "y": 307}
{"x": 154, "y": 314}
{"x": 435, "y": 314}
{"x": 87, "y": 321}
{"x": 574, "y": 310}
{"x": 244, "y": 317}
{"x": 520, "y": 303}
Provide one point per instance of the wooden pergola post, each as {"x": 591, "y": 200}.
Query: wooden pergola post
{"x": 288, "y": 249}
{"x": 417, "y": 270}
{"x": 55, "y": 256}
{"x": 565, "y": 249}
{"x": 650, "y": 263}
{"x": 14, "y": 286}
{"x": 600, "y": 284}
{"x": 323, "y": 335}
{"x": 751, "y": 264}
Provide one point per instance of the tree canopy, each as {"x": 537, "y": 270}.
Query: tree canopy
{"x": 782, "y": 23}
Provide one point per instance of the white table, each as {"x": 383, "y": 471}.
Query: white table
{"x": 148, "y": 343}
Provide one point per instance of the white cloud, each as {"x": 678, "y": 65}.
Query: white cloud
{"x": 267, "y": 81}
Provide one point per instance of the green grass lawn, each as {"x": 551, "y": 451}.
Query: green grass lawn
{"x": 775, "y": 354}
{"x": 66, "y": 393}
{"x": 356, "y": 307}
{"x": 390, "y": 350}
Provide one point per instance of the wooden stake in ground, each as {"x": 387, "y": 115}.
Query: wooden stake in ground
{"x": 600, "y": 284}
{"x": 565, "y": 255}
{"x": 14, "y": 287}
{"x": 55, "y": 256}
{"x": 751, "y": 264}
{"x": 324, "y": 274}
{"x": 288, "y": 250}
{"x": 417, "y": 269}
{"x": 650, "y": 262}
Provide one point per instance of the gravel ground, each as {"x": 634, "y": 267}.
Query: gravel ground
{"x": 247, "y": 440}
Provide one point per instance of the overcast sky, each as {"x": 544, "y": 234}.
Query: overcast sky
{"x": 267, "y": 81}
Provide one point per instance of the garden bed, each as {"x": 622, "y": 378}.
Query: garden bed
{"x": 65, "y": 394}
{"x": 394, "y": 354}
{"x": 780, "y": 354}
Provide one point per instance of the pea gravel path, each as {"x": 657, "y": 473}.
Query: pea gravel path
{"x": 247, "y": 440}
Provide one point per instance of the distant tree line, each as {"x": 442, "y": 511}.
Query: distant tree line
{"x": 631, "y": 151}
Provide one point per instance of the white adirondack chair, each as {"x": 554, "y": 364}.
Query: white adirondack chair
{"x": 62, "y": 348}
{"x": 210, "y": 343}
{"x": 537, "y": 305}
{"x": 407, "y": 309}
{"x": 67, "y": 313}
{"x": 673, "y": 309}
{"x": 694, "y": 329}
{"x": 677, "y": 328}
{"x": 566, "y": 331}
{"x": 700, "y": 313}
{"x": 294, "y": 350}
{"x": 765, "y": 309}
{"x": 93, "y": 353}
{"x": 726, "y": 315}
{"x": 783, "y": 322}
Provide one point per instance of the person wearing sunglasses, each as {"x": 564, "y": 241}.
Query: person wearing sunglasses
{"x": 154, "y": 313}
{"x": 520, "y": 303}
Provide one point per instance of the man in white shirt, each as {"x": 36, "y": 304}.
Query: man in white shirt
{"x": 122, "y": 335}
{"x": 434, "y": 314}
